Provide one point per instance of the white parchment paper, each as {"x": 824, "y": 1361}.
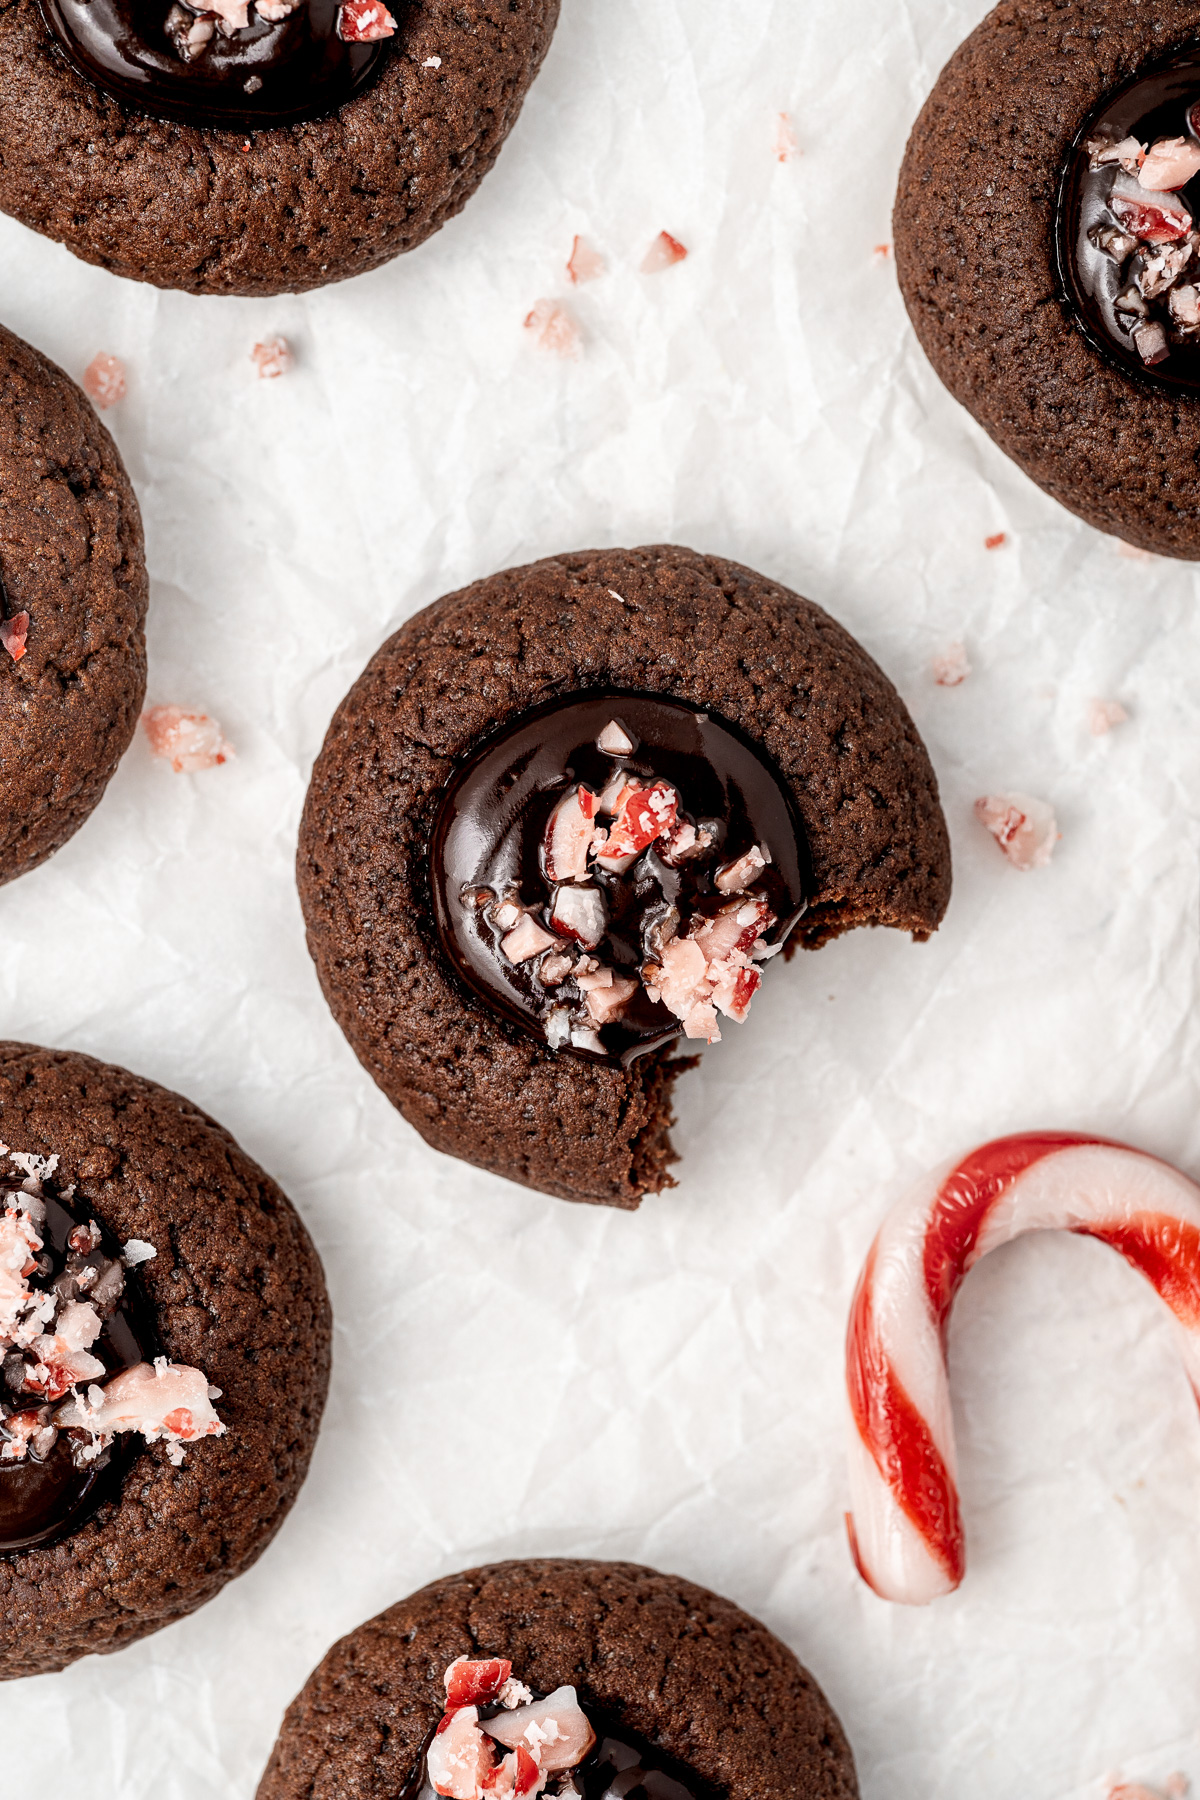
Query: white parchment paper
{"x": 673, "y": 1378}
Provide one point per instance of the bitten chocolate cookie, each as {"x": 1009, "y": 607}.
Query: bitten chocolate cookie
{"x": 73, "y": 603}
{"x": 588, "y": 1679}
{"x": 164, "y": 1358}
{"x": 1048, "y": 254}
{"x": 570, "y": 815}
{"x": 255, "y": 146}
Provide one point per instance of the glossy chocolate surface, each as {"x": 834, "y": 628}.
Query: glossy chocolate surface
{"x": 266, "y": 73}
{"x": 40, "y": 1501}
{"x": 490, "y": 831}
{"x": 1155, "y": 104}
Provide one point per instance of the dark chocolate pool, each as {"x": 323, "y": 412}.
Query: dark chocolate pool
{"x": 1128, "y": 257}
{"x": 44, "y": 1498}
{"x": 203, "y": 68}
{"x": 489, "y": 861}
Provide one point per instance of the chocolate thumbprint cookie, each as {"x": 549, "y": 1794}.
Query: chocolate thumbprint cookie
{"x": 164, "y": 1356}
{"x": 567, "y": 821}
{"x": 574, "y": 1680}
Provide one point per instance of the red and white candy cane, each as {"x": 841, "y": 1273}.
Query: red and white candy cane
{"x": 904, "y": 1524}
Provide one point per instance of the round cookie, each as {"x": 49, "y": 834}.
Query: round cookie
{"x": 651, "y": 1656}
{"x": 235, "y": 1290}
{"x": 990, "y": 292}
{"x": 659, "y": 621}
{"x": 73, "y": 592}
{"x": 281, "y": 209}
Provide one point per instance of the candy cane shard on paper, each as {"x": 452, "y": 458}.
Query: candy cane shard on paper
{"x": 904, "y": 1523}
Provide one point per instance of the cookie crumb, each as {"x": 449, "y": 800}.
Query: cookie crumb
{"x": 584, "y": 262}
{"x": 13, "y": 633}
{"x": 1025, "y": 829}
{"x": 272, "y": 358}
{"x": 104, "y": 380}
{"x": 663, "y": 253}
{"x": 951, "y": 668}
{"x": 190, "y": 741}
{"x": 554, "y": 329}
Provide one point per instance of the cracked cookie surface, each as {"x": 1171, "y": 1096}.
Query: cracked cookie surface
{"x": 662, "y": 1658}
{"x": 71, "y": 559}
{"x": 236, "y": 1289}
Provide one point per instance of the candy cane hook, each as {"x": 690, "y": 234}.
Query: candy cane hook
{"x": 904, "y": 1524}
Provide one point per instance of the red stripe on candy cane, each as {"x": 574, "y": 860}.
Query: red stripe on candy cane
{"x": 905, "y": 1526}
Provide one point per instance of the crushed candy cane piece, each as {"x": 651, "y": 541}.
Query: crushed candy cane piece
{"x": 13, "y": 634}
{"x": 1106, "y": 149}
{"x": 584, "y": 262}
{"x": 104, "y": 380}
{"x": 556, "y": 1730}
{"x": 136, "y": 1251}
{"x": 364, "y": 21}
{"x": 459, "y": 1758}
{"x": 614, "y": 740}
{"x": 272, "y": 358}
{"x": 784, "y": 142}
{"x": 189, "y": 741}
{"x": 663, "y": 253}
{"x": 1153, "y": 222}
{"x": 432, "y": 62}
{"x": 736, "y": 877}
{"x": 951, "y": 668}
{"x": 1104, "y": 714}
{"x": 1169, "y": 163}
{"x": 553, "y": 328}
{"x": 525, "y": 940}
{"x": 470, "y": 1683}
{"x": 1025, "y": 829}
{"x": 996, "y": 540}
{"x": 163, "y": 1400}
{"x": 579, "y": 913}
{"x": 571, "y": 836}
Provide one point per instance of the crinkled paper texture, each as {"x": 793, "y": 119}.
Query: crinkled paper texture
{"x": 514, "y": 1375}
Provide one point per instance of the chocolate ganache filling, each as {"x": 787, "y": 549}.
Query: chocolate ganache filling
{"x": 49, "y": 1478}
{"x": 1128, "y": 205}
{"x": 615, "y": 870}
{"x": 235, "y": 64}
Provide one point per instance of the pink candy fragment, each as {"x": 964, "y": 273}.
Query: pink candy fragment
{"x": 363, "y": 21}
{"x": 663, "y": 253}
{"x": 272, "y": 358}
{"x": 571, "y": 835}
{"x": 161, "y": 1400}
{"x": 13, "y": 633}
{"x": 526, "y": 940}
{"x": 189, "y": 741}
{"x": 784, "y": 142}
{"x": 555, "y": 1731}
{"x": 1025, "y": 829}
{"x": 1104, "y": 714}
{"x": 584, "y": 263}
{"x": 1151, "y": 221}
{"x": 553, "y": 328}
{"x": 104, "y": 380}
{"x": 951, "y": 668}
{"x": 1169, "y": 164}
